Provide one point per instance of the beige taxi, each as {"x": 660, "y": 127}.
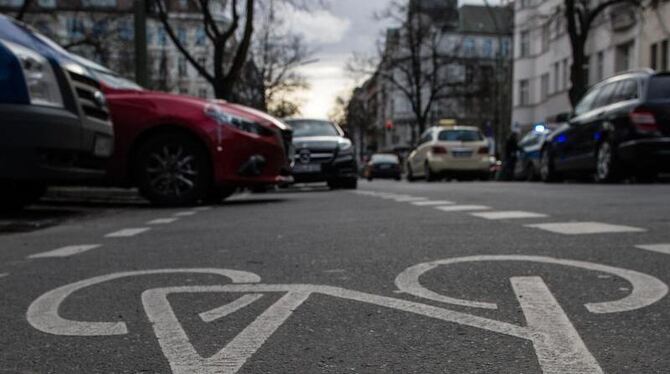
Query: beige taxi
{"x": 455, "y": 151}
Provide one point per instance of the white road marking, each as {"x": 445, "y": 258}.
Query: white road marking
{"x": 410, "y": 199}
{"x": 229, "y": 308}
{"x": 162, "y": 221}
{"x": 462, "y": 208}
{"x": 646, "y": 289}
{"x": 510, "y": 214}
{"x": 3, "y": 275}
{"x": 557, "y": 344}
{"x": 548, "y": 320}
{"x": 432, "y": 202}
{"x": 580, "y": 228}
{"x": 126, "y": 233}
{"x": 43, "y": 313}
{"x": 660, "y": 248}
{"x": 66, "y": 251}
{"x": 185, "y": 214}
{"x": 203, "y": 208}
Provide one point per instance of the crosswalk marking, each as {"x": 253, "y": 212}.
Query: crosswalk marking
{"x": 410, "y": 199}
{"x": 185, "y": 214}
{"x": 462, "y": 208}
{"x": 125, "y": 233}
{"x": 580, "y": 228}
{"x": 162, "y": 221}
{"x": 66, "y": 251}
{"x": 432, "y": 202}
{"x": 660, "y": 248}
{"x": 510, "y": 214}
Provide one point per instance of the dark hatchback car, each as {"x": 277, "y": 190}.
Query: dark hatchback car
{"x": 323, "y": 154}
{"x": 382, "y": 165}
{"x": 620, "y": 129}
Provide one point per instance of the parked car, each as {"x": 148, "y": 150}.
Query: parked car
{"x": 455, "y": 151}
{"x": 383, "y": 165}
{"x": 181, "y": 150}
{"x": 55, "y": 122}
{"x": 528, "y": 156}
{"x": 323, "y": 154}
{"x": 621, "y": 128}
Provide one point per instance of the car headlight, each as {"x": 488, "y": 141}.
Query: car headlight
{"x": 40, "y": 78}
{"x": 345, "y": 146}
{"x": 222, "y": 118}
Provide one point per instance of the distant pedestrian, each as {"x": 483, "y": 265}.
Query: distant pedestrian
{"x": 511, "y": 149}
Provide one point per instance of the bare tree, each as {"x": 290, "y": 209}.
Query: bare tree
{"x": 278, "y": 53}
{"x": 24, "y": 9}
{"x": 413, "y": 62}
{"x": 580, "y": 16}
{"x": 223, "y": 74}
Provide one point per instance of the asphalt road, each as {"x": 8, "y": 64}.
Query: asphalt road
{"x": 394, "y": 278}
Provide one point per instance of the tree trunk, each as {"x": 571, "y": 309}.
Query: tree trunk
{"x": 578, "y": 78}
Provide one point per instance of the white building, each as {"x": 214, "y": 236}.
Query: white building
{"x": 621, "y": 39}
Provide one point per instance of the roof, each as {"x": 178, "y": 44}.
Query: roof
{"x": 486, "y": 19}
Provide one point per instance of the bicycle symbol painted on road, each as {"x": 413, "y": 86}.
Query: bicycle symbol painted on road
{"x": 558, "y": 346}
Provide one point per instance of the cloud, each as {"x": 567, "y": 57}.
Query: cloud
{"x": 318, "y": 27}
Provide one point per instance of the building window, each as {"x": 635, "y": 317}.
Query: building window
{"x": 566, "y": 74}
{"x": 469, "y": 47}
{"x": 200, "y": 36}
{"x": 587, "y": 68}
{"x": 162, "y": 36}
{"x": 600, "y": 66}
{"x": 504, "y": 48}
{"x": 665, "y": 52}
{"x": 202, "y": 93}
{"x": 524, "y": 46}
{"x": 487, "y": 48}
{"x": 544, "y": 83}
{"x": 624, "y": 56}
{"x": 202, "y": 61}
{"x": 557, "y": 77}
{"x": 181, "y": 67}
{"x": 545, "y": 37}
{"x": 654, "y": 56}
{"x": 182, "y": 35}
{"x": 524, "y": 92}
{"x": 126, "y": 30}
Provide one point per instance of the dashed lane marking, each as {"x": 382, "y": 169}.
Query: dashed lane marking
{"x": 410, "y": 199}
{"x": 202, "y": 208}
{"x": 185, "y": 214}
{"x": 2, "y": 275}
{"x": 510, "y": 214}
{"x": 162, "y": 221}
{"x": 66, "y": 251}
{"x": 126, "y": 233}
{"x": 432, "y": 202}
{"x": 660, "y": 248}
{"x": 462, "y": 208}
{"x": 581, "y": 228}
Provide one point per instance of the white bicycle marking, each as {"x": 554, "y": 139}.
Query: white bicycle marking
{"x": 646, "y": 289}
{"x": 43, "y": 312}
{"x": 558, "y": 346}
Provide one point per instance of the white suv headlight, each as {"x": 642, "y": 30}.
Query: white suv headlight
{"x": 39, "y": 76}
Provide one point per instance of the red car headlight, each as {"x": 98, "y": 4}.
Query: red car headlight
{"x": 222, "y": 118}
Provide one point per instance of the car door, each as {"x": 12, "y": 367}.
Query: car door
{"x": 586, "y": 132}
{"x": 564, "y": 143}
{"x": 421, "y": 152}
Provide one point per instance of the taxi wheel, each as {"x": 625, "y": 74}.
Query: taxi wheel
{"x": 430, "y": 175}
{"x": 410, "y": 174}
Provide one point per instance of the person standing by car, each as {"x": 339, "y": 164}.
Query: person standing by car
{"x": 511, "y": 149}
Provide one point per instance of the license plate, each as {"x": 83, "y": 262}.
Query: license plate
{"x": 307, "y": 168}
{"x": 384, "y": 166}
{"x": 462, "y": 154}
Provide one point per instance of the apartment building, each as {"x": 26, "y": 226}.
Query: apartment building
{"x": 622, "y": 38}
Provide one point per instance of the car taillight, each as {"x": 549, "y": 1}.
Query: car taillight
{"x": 643, "y": 120}
{"x": 439, "y": 150}
{"x": 484, "y": 150}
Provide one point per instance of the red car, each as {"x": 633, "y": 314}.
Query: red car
{"x": 182, "y": 150}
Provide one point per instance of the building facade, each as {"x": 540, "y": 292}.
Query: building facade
{"x": 623, "y": 38}
{"x": 103, "y": 31}
{"x": 474, "y": 44}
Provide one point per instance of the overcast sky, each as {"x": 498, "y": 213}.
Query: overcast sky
{"x": 347, "y": 26}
